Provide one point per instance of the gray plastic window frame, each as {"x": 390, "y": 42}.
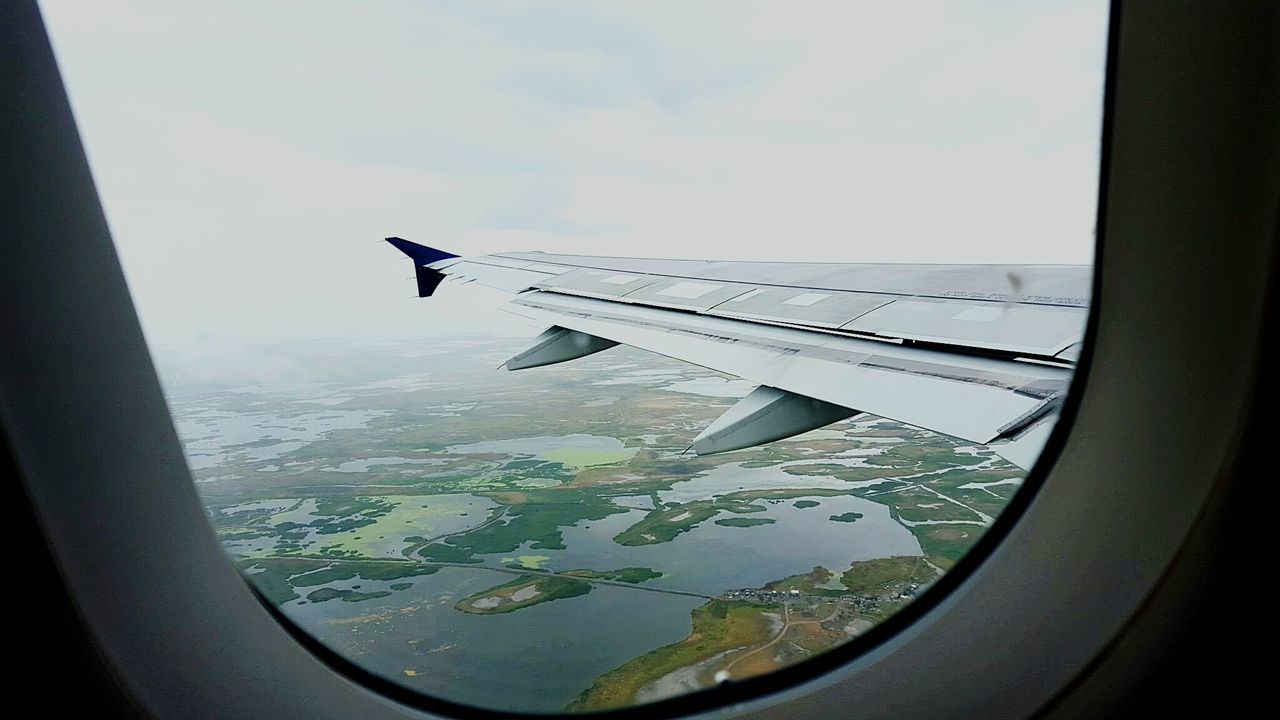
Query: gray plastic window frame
{"x": 1188, "y": 241}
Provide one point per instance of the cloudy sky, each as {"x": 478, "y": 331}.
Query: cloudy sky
{"x": 250, "y": 154}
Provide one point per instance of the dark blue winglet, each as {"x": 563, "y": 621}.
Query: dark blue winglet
{"x": 421, "y": 254}
{"x": 428, "y": 279}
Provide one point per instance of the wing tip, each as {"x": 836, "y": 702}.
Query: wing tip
{"x": 421, "y": 254}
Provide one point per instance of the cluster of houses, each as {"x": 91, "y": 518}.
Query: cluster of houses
{"x": 758, "y": 595}
{"x": 862, "y": 602}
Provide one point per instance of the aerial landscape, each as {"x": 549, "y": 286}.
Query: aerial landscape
{"x": 541, "y": 541}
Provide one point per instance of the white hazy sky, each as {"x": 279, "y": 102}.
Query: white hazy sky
{"x": 249, "y": 154}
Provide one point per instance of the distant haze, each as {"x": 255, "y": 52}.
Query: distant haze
{"x": 251, "y": 154}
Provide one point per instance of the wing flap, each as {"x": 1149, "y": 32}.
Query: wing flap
{"x": 1032, "y": 329}
{"x": 973, "y": 398}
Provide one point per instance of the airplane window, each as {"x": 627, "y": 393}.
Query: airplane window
{"x": 810, "y": 280}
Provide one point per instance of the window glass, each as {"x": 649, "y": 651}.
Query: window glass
{"x": 555, "y": 539}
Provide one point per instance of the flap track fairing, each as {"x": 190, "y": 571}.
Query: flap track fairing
{"x": 766, "y": 415}
{"x": 556, "y": 345}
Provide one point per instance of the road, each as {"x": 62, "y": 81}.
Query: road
{"x": 787, "y": 624}
{"x": 491, "y": 568}
{"x": 597, "y": 581}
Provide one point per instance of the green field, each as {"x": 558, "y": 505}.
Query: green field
{"x": 810, "y": 583}
{"x": 718, "y": 626}
{"x": 881, "y": 574}
{"x": 576, "y": 458}
{"x": 277, "y": 578}
{"x": 536, "y": 519}
{"x": 945, "y": 544}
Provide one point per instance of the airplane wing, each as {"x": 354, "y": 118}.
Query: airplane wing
{"x": 983, "y": 353}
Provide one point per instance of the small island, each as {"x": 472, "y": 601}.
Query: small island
{"x": 522, "y": 592}
{"x": 745, "y": 522}
{"x": 664, "y": 524}
{"x": 847, "y": 517}
{"x": 802, "y": 504}
{"x": 633, "y": 575}
{"x": 327, "y": 594}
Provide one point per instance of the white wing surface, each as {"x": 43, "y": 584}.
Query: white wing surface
{"x": 979, "y": 352}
